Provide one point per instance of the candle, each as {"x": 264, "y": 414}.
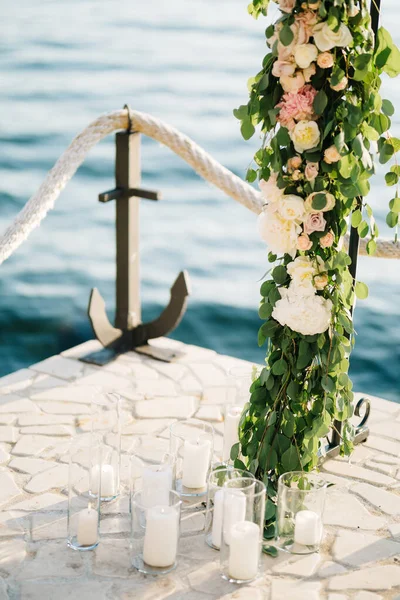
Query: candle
{"x": 107, "y": 480}
{"x": 87, "y": 527}
{"x": 234, "y": 511}
{"x": 161, "y": 536}
{"x": 231, "y": 427}
{"x": 244, "y": 551}
{"x": 196, "y": 462}
{"x": 307, "y": 528}
{"x": 156, "y": 484}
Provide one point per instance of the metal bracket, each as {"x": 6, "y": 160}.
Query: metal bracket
{"x": 129, "y": 332}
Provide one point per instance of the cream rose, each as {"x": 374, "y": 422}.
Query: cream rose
{"x": 330, "y": 202}
{"x": 294, "y": 163}
{"x": 305, "y": 135}
{"x": 327, "y": 240}
{"x": 326, "y": 39}
{"x": 342, "y": 85}
{"x": 309, "y": 72}
{"x": 325, "y": 60}
{"x": 287, "y": 6}
{"x": 283, "y": 67}
{"x": 291, "y": 208}
{"x": 302, "y": 272}
{"x": 305, "y": 54}
{"x": 269, "y": 189}
{"x": 331, "y": 155}
{"x": 304, "y": 243}
{"x": 279, "y": 234}
{"x": 307, "y": 315}
{"x": 292, "y": 83}
{"x": 321, "y": 281}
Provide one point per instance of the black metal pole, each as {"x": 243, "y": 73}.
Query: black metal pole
{"x": 354, "y": 242}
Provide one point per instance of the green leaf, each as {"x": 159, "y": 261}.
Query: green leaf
{"x": 387, "y": 54}
{"x": 242, "y": 112}
{"x": 286, "y": 35}
{"x": 320, "y": 102}
{"x": 269, "y": 328}
{"x": 327, "y": 384}
{"x": 247, "y": 129}
{"x": 392, "y": 219}
{"x": 235, "y": 451}
{"x": 356, "y": 218}
{"x": 363, "y": 229}
{"x": 270, "y": 509}
{"x": 279, "y": 367}
{"x": 279, "y": 274}
{"x": 319, "y": 201}
{"x": 361, "y": 290}
{"x": 271, "y": 550}
{"x": 251, "y": 175}
{"x": 290, "y": 459}
{"x": 386, "y": 153}
{"x": 266, "y": 287}
{"x": 391, "y": 178}
{"x": 265, "y": 310}
{"x": 394, "y": 205}
{"x": 288, "y": 425}
{"x": 388, "y": 108}
{"x": 371, "y": 247}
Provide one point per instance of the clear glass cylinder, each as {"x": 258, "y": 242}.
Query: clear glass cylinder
{"x": 155, "y": 533}
{"x": 215, "y": 501}
{"x": 83, "y": 510}
{"x": 153, "y": 479}
{"x": 242, "y": 529}
{"x": 233, "y": 414}
{"x": 299, "y": 516}
{"x": 241, "y": 378}
{"x": 106, "y": 423}
{"x": 192, "y": 443}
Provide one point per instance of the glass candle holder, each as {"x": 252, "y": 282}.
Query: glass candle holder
{"x": 231, "y": 430}
{"x": 215, "y": 502}
{"x": 106, "y": 423}
{"x": 155, "y": 533}
{"x": 83, "y": 510}
{"x": 241, "y": 378}
{"x": 242, "y": 529}
{"x": 192, "y": 443}
{"x": 300, "y": 507}
{"x": 153, "y": 480}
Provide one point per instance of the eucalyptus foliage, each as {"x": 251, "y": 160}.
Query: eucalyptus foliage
{"x": 305, "y": 385}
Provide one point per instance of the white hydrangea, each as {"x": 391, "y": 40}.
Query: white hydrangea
{"x": 307, "y": 315}
{"x": 278, "y": 233}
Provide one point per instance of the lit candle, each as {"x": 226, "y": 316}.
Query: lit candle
{"x": 161, "y": 536}
{"x": 244, "y": 551}
{"x": 196, "y": 462}
{"x": 156, "y": 484}
{"x": 307, "y": 528}
{"x": 231, "y": 427}
{"x": 107, "y": 480}
{"x": 232, "y": 512}
{"x": 87, "y": 527}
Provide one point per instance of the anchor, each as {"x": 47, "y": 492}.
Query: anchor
{"x": 129, "y": 332}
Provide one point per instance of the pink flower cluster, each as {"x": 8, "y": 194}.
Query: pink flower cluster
{"x": 297, "y": 106}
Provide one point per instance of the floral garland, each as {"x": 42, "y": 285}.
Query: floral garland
{"x": 322, "y": 118}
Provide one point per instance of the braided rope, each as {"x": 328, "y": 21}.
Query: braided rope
{"x": 57, "y": 178}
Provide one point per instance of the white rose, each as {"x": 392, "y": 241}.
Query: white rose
{"x": 269, "y": 189}
{"x": 305, "y": 54}
{"x": 287, "y": 5}
{"x": 306, "y": 315}
{"x": 326, "y": 39}
{"x": 302, "y": 272}
{"x": 291, "y": 208}
{"x": 305, "y": 135}
{"x": 279, "y": 234}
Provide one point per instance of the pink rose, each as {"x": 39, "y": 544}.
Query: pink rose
{"x": 321, "y": 281}
{"x": 314, "y": 222}
{"x": 303, "y": 242}
{"x": 297, "y": 106}
{"x": 325, "y": 60}
{"x": 283, "y": 67}
{"x": 327, "y": 240}
{"x": 331, "y": 155}
{"x": 311, "y": 171}
{"x": 287, "y": 6}
{"x": 294, "y": 163}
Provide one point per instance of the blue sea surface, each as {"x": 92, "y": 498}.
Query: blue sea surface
{"x": 64, "y": 63}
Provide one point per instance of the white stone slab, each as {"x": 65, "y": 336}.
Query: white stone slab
{"x": 209, "y": 413}
{"x": 59, "y": 366}
{"x": 344, "y": 510}
{"x": 181, "y": 407}
{"x": 48, "y": 527}
{"x": 18, "y": 380}
{"x": 357, "y": 549}
{"x": 208, "y": 374}
{"x": 354, "y": 472}
{"x": 53, "y": 560}
{"x": 147, "y": 426}
{"x": 31, "y": 465}
{"x": 367, "y": 596}
{"x": 82, "y": 394}
{"x": 388, "y": 429}
{"x": 12, "y": 555}
{"x": 57, "y": 430}
{"x": 387, "y": 446}
{"x": 15, "y": 404}
{"x": 113, "y": 559}
{"x": 82, "y": 589}
{"x": 283, "y": 589}
{"x": 387, "y": 502}
{"x": 8, "y": 487}
{"x": 32, "y": 445}
{"x": 64, "y": 408}
{"x": 299, "y": 566}
{"x": 4, "y": 454}
{"x": 29, "y": 420}
{"x": 383, "y": 577}
{"x": 46, "y": 501}
{"x": 8, "y": 434}
{"x": 56, "y": 477}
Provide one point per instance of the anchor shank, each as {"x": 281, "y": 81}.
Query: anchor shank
{"x": 127, "y": 176}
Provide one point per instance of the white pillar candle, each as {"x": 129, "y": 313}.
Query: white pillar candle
{"x": 87, "y": 530}
{"x": 234, "y": 511}
{"x": 107, "y": 480}
{"x": 156, "y": 484}
{"x": 307, "y": 528}
{"x": 196, "y": 462}
{"x": 244, "y": 550}
{"x": 231, "y": 427}
{"x": 161, "y": 536}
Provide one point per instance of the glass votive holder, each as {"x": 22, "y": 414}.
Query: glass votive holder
{"x": 215, "y": 501}
{"x": 242, "y": 529}
{"x": 106, "y": 423}
{"x": 241, "y": 378}
{"x": 192, "y": 443}
{"x": 155, "y": 533}
{"x": 83, "y": 510}
{"x": 233, "y": 415}
{"x": 300, "y": 507}
{"x": 154, "y": 481}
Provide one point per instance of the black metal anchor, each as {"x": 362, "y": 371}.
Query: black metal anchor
{"x": 129, "y": 332}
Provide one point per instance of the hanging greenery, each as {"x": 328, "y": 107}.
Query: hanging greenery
{"x": 318, "y": 105}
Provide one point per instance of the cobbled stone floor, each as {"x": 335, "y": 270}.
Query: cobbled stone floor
{"x": 43, "y": 406}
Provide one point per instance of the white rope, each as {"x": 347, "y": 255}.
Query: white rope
{"x": 40, "y": 203}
